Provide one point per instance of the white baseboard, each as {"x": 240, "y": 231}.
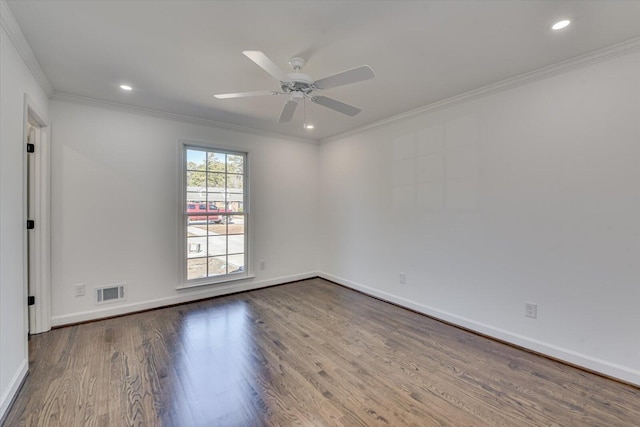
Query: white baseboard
{"x": 183, "y": 296}
{"x": 604, "y": 367}
{"x": 14, "y": 385}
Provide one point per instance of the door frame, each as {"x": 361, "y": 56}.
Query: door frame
{"x": 41, "y": 271}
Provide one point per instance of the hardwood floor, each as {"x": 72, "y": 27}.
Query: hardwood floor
{"x": 309, "y": 353}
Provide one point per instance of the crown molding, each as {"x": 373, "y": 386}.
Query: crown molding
{"x": 116, "y": 106}
{"x": 595, "y": 57}
{"x": 13, "y": 30}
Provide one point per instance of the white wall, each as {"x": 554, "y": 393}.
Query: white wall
{"x": 15, "y": 81}
{"x": 530, "y": 194}
{"x": 116, "y": 206}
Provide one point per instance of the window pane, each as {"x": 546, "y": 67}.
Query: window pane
{"x": 217, "y": 245}
{"x": 216, "y": 162}
{"x": 235, "y": 164}
{"x": 217, "y": 265}
{"x": 197, "y": 229}
{"x": 196, "y": 160}
{"x": 194, "y": 197}
{"x": 234, "y": 183}
{"x": 217, "y": 228}
{"x": 196, "y": 179}
{"x": 235, "y": 206}
{"x": 237, "y": 225}
{"x": 236, "y": 263}
{"x": 217, "y": 199}
{"x": 196, "y": 247}
{"x": 216, "y": 182}
{"x": 196, "y": 268}
{"x": 236, "y": 243}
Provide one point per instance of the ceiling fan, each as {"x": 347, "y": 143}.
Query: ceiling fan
{"x": 300, "y": 86}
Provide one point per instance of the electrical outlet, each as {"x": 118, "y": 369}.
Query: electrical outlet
{"x": 262, "y": 264}
{"x": 403, "y": 278}
{"x": 531, "y": 310}
{"x": 80, "y": 289}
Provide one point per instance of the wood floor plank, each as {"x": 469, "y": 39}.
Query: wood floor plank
{"x": 306, "y": 353}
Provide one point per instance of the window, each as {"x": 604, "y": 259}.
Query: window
{"x": 215, "y": 214}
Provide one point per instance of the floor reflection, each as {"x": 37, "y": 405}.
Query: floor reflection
{"x": 216, "y": 367}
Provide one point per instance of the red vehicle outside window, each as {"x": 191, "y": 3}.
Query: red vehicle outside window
{"x": 209, "y": 211}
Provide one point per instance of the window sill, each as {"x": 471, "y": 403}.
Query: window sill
{"x": 211, "y": 282}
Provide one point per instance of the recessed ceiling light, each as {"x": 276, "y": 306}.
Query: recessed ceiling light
{"x": 308, "y": 126}
{"x": 561, "y": 24}
{"x": 126, "y": 87}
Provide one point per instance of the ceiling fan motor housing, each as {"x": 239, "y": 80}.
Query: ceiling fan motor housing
{"x": 298, "y": 82}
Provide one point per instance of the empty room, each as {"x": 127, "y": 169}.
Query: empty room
{"x": 319, "y": 213}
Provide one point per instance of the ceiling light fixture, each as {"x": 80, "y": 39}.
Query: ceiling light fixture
{"x": 309, "y": 126}
{"x": 126, "y": 87}
{"x": 561, "y": 24}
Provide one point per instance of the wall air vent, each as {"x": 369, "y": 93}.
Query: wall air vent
{"x": 110, "y": 293}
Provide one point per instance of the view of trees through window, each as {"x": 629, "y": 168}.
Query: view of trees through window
{"x": 214, "y": 213}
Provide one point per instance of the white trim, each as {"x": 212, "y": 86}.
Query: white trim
{"x": 42, "y": 233}
{"x": 14, "y": 385}
{"x": 13, "y": 30}
{"x": 595, "y": 57}
{"x": 209, "y": 282}
{"x": 116, "y": 106}
{"x": 613, "y": 370}
{"x": 184, "y": 296}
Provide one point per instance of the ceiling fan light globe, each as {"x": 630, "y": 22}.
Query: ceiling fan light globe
{"x": 297, "y": 96}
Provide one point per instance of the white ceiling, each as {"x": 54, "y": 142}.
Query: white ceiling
{"x": 177, "y": 54}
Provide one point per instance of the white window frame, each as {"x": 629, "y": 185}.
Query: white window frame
{"x": 203, "y": 281}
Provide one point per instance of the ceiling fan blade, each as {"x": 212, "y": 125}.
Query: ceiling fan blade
{"x": 354, "y": 75}
{"x": 287, "y": 112}
{"x": 266, "y": 64}
{"x": 341, "y": 107}
{"x": 246, "y": 94}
